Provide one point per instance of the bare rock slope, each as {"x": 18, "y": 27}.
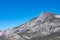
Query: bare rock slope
{"x": 46, "y": 24}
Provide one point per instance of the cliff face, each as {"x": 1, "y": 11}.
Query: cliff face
{"x": 43, "y": 25}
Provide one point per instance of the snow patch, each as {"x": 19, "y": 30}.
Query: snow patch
{"x": 57, "y": 16}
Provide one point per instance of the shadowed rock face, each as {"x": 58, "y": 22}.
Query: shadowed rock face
{"x": 44, "y": 24}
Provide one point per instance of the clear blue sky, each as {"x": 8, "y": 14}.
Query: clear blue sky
{"x": 16, "y": 12}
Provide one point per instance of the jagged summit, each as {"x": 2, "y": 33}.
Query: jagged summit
{"x": 45, "y": 15}
{"x": 45, "y": 24}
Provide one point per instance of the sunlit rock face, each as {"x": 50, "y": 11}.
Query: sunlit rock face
{"x": 1, "y": 33}
{"x": 45, "y": 24}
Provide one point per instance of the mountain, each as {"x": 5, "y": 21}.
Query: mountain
{"x": 44, "y": 27}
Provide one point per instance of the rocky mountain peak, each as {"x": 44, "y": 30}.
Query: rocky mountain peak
{"x": 45, "y": 24}
{"x": 46, "y": 14}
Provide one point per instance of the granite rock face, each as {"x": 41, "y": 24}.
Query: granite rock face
{"x": 43, "y": 25}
